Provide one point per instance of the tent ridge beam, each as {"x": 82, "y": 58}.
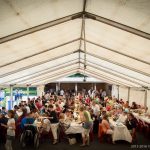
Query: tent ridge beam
{"x": 115, "y": 51}
{"x": 27, "y": 57}
{"x": 40, "y": 27}
{"x": 118, "y": 25}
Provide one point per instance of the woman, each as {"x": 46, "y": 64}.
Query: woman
{"x": 87, "y": 125}
{"x": 10, "y": 129}
{"x": 131, "y": 124}
{"x": 106, "y": 126}
{"x": 54, "y": 123}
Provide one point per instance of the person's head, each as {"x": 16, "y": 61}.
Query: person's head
{"x": 130, "y": 116}
{"x": 32, "y": 115}
{"x": 11, "y": 114}
{"x": 105, "y": 117}
{"x": 51, "y": 107}
{"x": 82, "y": 108}
{"x": 57, "y": 106}
{"x": 3, "y": 108}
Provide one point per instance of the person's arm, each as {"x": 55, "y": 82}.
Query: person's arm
{"x": 11, "y": 126}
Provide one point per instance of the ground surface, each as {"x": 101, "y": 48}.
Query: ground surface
{"x": 95, "y": 145}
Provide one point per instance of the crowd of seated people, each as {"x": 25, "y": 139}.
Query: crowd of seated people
{"x": 55, "y": 109}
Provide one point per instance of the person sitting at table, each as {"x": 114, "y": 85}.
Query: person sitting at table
{"x": 134, "y": 105}
{"x": 28, "y": 119}
{"x": 122, "y": 117}
{"x": 87, "y": 125}
{"x": 126, "y": 105}
{"x": 54, "y": 122}
{"x": 45, "y": 128}
{"x": 68, "y": 115}
{"x": 106, "y": 126}
{"x": 63, "y": 123}
{"x": 131, "y": 124}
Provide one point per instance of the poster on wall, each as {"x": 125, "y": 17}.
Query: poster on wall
{"x": 19, "y": 93}
{"x": 2, "y": 97}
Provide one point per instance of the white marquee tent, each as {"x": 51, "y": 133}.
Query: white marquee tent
{"x": 44, "y": 40}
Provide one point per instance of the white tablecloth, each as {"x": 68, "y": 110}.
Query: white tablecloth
{"x": 120, "y": 132}
{"x": 74, "y": 128}
{"x": 143, "y": 118}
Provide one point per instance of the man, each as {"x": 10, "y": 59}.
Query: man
{"x": 4, "y": 111}
{"x": 54, "y": 122}
{"x": 87, "y": 125}
{"x": 95, "y": 108}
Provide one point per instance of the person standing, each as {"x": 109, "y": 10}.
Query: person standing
{"x": 87, "y": 125}
{"x": 10, "y": 130}
{"x": 54, "y": 122}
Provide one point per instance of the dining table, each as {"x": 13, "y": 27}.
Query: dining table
{"x": 74, "y": 128}
{"x": 142, "y": 117}
{"x": 120, "y": 131}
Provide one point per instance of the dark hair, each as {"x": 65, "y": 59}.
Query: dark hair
{"x": 105, "y": 116}
{"x": 82, "y": 108}
{"x": 131, "y": 115}
{"x": 50, "y": 106}
{"x": 12, "y": 113}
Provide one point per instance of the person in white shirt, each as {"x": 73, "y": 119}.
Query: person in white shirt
{"x": 45, "y": 124}
{"x": 62, "y": 92}
{"x": 122, "y": 117}
{"x": 95, "y": 108}
{"x": 10, "y": 130}
{"x": 27, "y": 108}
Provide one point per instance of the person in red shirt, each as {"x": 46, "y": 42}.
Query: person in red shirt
{"x": 38, "y": 104}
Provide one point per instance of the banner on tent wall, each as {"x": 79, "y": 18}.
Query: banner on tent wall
{"x": 19, "y": 93}
{"x": 2, "y": 97}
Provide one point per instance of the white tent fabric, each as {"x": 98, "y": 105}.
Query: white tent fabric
{"x": 137, "y": 96}
{"x": 42, "y": 40}
{"x": 123, "y": 93}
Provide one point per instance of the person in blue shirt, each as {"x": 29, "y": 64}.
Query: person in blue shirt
{"x": 29, "y": 119}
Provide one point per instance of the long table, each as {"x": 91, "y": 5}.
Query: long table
{"x": 74, "y": 128}
{"x": 120, "y": 132}
{"x": 142, "y": 118}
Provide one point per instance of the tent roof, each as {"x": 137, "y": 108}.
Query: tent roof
{"x": 42, "y": 41}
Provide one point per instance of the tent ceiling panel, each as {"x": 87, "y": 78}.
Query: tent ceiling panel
{"x": 118, "y": 40}
{"x": 49, "y": 74}
{"x": 119, "y": 74}
{"x": 111, "y": 76}
{"x": 135, "y": 13}
{"x": 116, "y": 82}
{"x": 104, "y": 78}
{"x": 116, "y": 68}
{"x": 138, "y": 65}
{"x": 24, "y": 14}
{"x": 41, "y": 69}
{"x": 56, "y": 77}
{"x": 38, "y": 59}
{"x": 41, "y": 41}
